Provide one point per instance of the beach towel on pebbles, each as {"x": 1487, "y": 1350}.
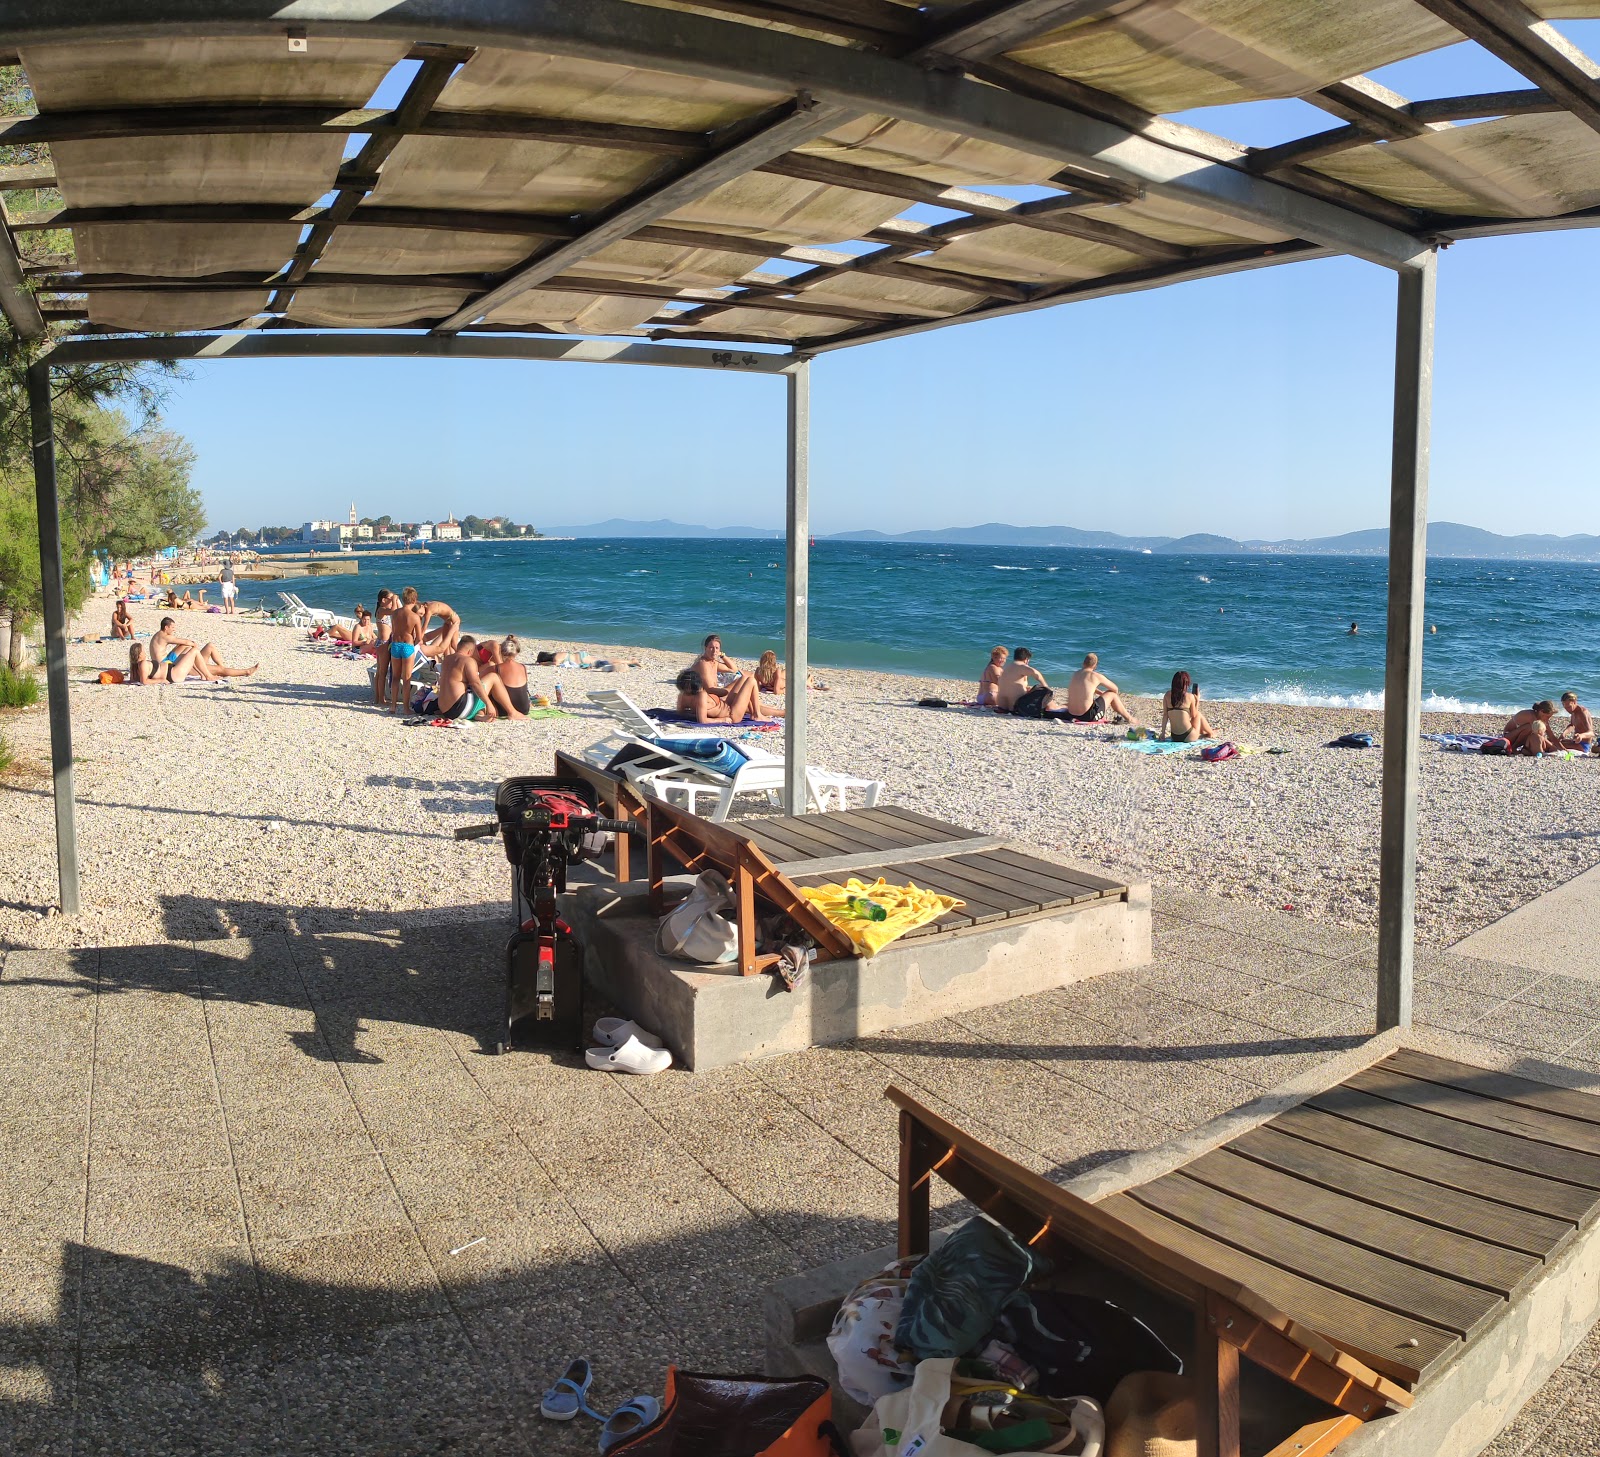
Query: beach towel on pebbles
{"x": 1164, "y": 746}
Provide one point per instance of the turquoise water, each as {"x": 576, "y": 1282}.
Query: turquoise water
{"x": 1248, "y": 626}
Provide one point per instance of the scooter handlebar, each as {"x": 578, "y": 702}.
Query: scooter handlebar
{"x": 478, "y": 832}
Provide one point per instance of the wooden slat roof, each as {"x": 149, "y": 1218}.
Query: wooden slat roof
{"x": 739, "y": 170}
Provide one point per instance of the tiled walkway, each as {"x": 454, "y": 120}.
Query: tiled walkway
{"x": 273, "y": 1197}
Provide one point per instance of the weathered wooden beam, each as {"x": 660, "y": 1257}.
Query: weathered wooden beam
{"x": 26, "y": 178}
{"x": 1532, "y": 47}
{"x": 363, "y": 169}
{"x": 1483, "y": 104}
{"x": 1045, "y": 214}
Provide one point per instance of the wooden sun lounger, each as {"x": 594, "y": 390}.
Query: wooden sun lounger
{"x": 1353, "y": 1244}
{"x": 773, "y": 857}
{"x": 619, "y": 800}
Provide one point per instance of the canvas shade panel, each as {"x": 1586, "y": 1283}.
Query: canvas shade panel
{"x": 184, "y": 250}
{"x": 91, "y": 75}
{"x": 541, "y": 85}
{"x": 359, "y": 307}
{"x": 770, "y": 324}
{"x": 1026, "y": 255}
{"x": 783, "y": 210}
{"x": 170, "y": 309}
{"x": 928, "y": 154}
{"x": 1171, "y": 55}
{"x": 377, "y": 249}
{"x": 1514, "y": 166}
{"x": 671, "y": 264}
{"x": 1172, "y": 221}
{"x": 892, "y": 295}
{"x": 575, "y": 313}
{"x": 510, "y": 176}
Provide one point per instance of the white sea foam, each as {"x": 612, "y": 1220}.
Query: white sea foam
{"x": 999, "y": 568}
{"x": 1296, "y": 695}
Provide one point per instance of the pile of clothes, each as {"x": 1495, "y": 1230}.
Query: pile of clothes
{"x": 966, "y": 1351}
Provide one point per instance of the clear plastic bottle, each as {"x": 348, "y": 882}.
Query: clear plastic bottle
{"x": 559, "y": 698}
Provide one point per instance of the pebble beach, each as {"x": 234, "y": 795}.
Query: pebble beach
{"x": 287, "y": 801}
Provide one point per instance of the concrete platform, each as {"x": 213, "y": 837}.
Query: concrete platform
{"x": 1556, "y": 932}
{"x": 711, "y": 1016}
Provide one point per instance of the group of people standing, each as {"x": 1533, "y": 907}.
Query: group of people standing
{"x": 482, "y": 681}
{"x": 1017, "y": 687}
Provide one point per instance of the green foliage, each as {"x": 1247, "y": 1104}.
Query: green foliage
{"x": 18, "y": 689}
{"x": 8, "y": 756}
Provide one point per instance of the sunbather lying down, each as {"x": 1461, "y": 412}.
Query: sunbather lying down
{"x": 742, "y": 700}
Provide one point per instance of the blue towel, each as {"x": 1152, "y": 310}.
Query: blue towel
{"x": 717, "y": 755}
{"x": 1163, "y": 746}
{"x": 1461, "y": 743}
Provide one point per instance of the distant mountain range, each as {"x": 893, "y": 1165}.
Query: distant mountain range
{"x": 1445, "y": 539}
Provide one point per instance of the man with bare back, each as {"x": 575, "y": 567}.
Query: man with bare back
{"x": 405, "y": 646}
{"x": 467, "y": 688}
{"x": 1091, "y": 695}
{"x": 444, "y": 639}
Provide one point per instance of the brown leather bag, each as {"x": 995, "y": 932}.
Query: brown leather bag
{"x": 740, "y": 1416}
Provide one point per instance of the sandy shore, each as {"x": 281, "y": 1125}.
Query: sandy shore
{"x": 288, "y": 800}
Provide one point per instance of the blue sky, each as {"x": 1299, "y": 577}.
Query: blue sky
{"x": 1254, "y": 406}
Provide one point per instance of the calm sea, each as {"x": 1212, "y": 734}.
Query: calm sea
{"x": 1246, "y": 627}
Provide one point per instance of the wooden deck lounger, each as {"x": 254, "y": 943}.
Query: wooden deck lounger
{"x": 618, "y": 799}
{"x": 1352, "y": 1244}
{"x": 773, "y": 857}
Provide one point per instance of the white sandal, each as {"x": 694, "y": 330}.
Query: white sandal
{"x": 632, "y": 1057}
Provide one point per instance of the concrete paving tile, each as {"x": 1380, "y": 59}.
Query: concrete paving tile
{"x": 161, "y": 1085}
{"x": 1128, "y": 1137}
{"x": 1566, "y": 994}
{"x": 1486, "y": 978}
{"x": 286, "y": 1076}
{"x": 39, "y": 1292}
{"x": 1295, "y": 1010}
{"x": 1452, "y": 1008}
{"x": 154, "y": 1213}
{"x": 1354, "y": 981}
{"x": 338, "y": 1286}
{"x": 1538, "y": 1029}
{"x": 59, "y": 1090}
{"x": 174, "y": 1310}
{"x": 1214, "y": 1035}
{"x": 1295, "y": 932}
{"x": 40, "y": 1206}
{"x": 64, "y": 970}
{"x": 38, "y": 1394}
{"x": 427, "y": 1113}
{"x": 316, "y": 1126}
{"x": 126, "y": 1404}
{"x": 532, "y": 1254}
{"x": 409, "y": 1387}
{"x": 1129, "y": 1006}
{"x": 133, "y": 1141}
{"x": 297, "y": 1198}
{"x": 1048, "y": 1015}
{"x": 1278, "y": 1057}
{"x": 491, "y": 1178}
{"x": 1218, "y": 988}
{"x": 716, "y": 1316}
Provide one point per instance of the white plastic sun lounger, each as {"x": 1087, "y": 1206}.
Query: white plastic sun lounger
{"x": 679, "y": 779}
{"x": 302, "y": 616}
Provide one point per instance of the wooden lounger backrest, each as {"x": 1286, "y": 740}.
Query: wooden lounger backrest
{"x": 698, "y": 844}
{"x": 1230, "y": 1318}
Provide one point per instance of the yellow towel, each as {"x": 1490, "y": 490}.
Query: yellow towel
{"x": 907, "y": 906}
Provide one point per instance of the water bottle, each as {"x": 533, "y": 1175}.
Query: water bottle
{"x": 861, "y": 907}
{"x": 558, "y": 694}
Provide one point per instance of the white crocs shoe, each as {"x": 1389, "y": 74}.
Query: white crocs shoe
{"x": 632, "y": 1057}
{"x": 614, "y": 1031}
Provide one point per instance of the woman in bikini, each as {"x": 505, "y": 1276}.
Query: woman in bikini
{"x": 742, "y": 702}
{"x": 1181, "y": 718}
{"x": 989, "y": 683}
{"x": 770, "y": 679}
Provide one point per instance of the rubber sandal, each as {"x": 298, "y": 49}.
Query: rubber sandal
{"x": 570, "y": 1394}
{"x": 628, "y": 1420}
{"x": 614, "y": 1031}
{"x": 632, "y": 1057}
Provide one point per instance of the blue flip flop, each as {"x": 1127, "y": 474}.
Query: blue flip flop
{"x": 570, "y": 1394}
{"x": 628, "y": 1420}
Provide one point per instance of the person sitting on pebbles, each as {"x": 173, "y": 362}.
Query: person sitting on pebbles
{"x": 468, "y": 690}
{"x": 1529, "y": 731}
{"x": 167, "y": 648}
{"x": 1580, "y": 732}
{"x": 121, "y": 620}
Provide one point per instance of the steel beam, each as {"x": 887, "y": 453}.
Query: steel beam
{"x": 996, "y": 31}
{"x": 55, "y": 632}
{"x": 806, "y": 123}
{"x": 687, "y": 44}
{"x": 1402, "y": 679}
{"x": 797, "y": 622}
{"x": 288, "y": 345}
{"x": 1532, "y": 47}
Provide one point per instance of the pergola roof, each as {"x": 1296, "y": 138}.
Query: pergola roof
{"x": 738, "y": 170}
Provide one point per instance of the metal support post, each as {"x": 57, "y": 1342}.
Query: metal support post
{"x": 797, "y": 527}
{"x": 1402, "y": 681}
{"x": 55, "y": 632}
